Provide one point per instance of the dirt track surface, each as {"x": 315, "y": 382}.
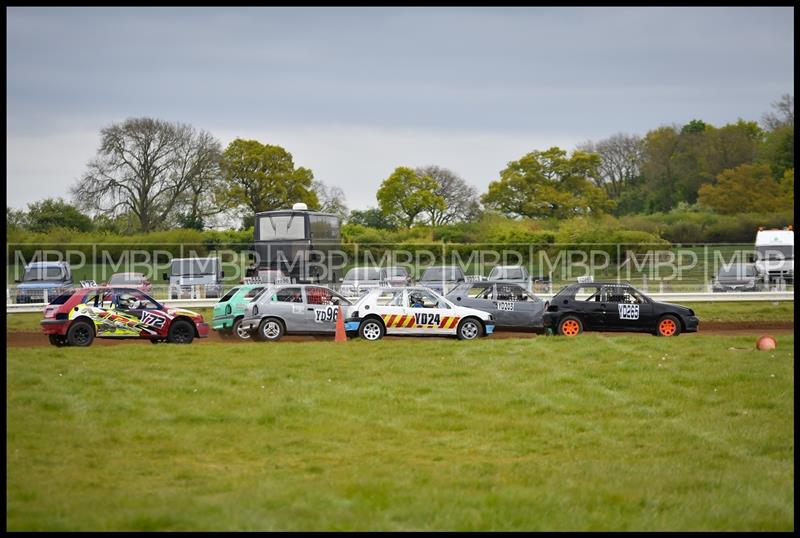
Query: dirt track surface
{"x": 756, "y": 328}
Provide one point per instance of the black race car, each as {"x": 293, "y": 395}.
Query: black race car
{"x": 611, "y": 306}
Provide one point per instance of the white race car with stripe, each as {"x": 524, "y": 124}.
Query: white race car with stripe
{"x": 414, "y": 310}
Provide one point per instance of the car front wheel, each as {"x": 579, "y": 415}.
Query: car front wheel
{"x": 469, "y": 329}
{"x": 371, "y": 329}
{"x": 668, "y": 326}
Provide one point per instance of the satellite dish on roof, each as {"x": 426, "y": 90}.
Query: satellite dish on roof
{"x": 300, "y": 206}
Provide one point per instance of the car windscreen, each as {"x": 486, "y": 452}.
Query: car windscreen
{"x": 441, "y": 273}
{"x": 277, "y": 227}
{"x": 395, "y": 272}
{"x": 776, "y": 252}
{"x": 363, "y": 273}
{"x": 505, "y": 273}
{"x": 34, "y": 274}
{"x": 194, "y": 267}
{"x": 122, "y": 278}
{"x": 738, "y": 271}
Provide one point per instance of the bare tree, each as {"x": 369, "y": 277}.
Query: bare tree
{"x": 146, "y": 167}
{"x": 621, "y": 156}
{"x": 331, "y": 199}
{"x": 200, "y": 158}
{"x": 461, "y": 199}
{"x": 783, "y": 115}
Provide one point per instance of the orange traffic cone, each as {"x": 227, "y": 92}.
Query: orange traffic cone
{"x": 341, "y": 336}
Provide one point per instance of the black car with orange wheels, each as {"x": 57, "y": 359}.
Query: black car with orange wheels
{"x": 613, "y": 306}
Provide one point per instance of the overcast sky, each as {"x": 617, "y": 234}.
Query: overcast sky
{"x": 353, "y": 93}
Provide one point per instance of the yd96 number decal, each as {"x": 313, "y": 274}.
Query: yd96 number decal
{"x": 326, "y": 315}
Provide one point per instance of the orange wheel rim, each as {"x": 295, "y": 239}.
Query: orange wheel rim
{"x": 667, "y": 327}
{"x": 570, "y": 327}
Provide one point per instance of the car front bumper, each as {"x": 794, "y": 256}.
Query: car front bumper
{"x": 202, "y": 330}
{"x": 250, "y": 324}
{"x": 692, "y": 324}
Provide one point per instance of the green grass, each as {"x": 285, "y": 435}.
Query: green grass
{"x": 595, "y": 433}
{"x": 734, "y": 311}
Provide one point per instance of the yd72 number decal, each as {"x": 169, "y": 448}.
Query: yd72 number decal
{"x": 153, "y": 320}
{"x": 326, "y": 315}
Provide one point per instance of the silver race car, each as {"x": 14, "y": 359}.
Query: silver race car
{"x": 293, "y": 308}
{"x": 511, "y": 305}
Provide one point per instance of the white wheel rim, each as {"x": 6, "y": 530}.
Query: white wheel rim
{"x": 469, "y": 330}
{"x": 241, "y": 333}
{"x": 372, "y": 331}
{"x": 271, "y": 330}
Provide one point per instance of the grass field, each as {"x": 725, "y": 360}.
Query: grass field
{"x": 625, "y": 432}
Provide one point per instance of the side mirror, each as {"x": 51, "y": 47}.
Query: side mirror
{"x": 165, "y": 276}
{"x": 222, "y": 274}
{"x": 335, "y": 301}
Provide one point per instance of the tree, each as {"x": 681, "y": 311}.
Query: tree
{"x": 16, "y": 218}
{"x": 549, "y": 184}
{"x": 262, "y": 177}
{"x": 144, "y": 167}
{"x": 460, "y": 199}
{"x": 199, "y": 200}
{"x": 783, "y": 115}
{"x": 405, "y": 195}
{"x": 746, "y": 188}
{"x": 56, "y": 213}
{"x": 330, "y": 199}
{"x": 620, "y": 162}
{"x": 372, "y": 218}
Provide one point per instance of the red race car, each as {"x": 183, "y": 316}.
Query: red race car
{"x": 78, "y": 316}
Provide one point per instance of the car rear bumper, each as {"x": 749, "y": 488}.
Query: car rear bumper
{"x": 203, "y": 329}
{"x": 222, "y": 322}
{"x": 55, "y": 326}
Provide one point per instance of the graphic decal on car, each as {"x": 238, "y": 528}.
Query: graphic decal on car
{"x": 423, "y": 320}
{"x": 628, "y": 311}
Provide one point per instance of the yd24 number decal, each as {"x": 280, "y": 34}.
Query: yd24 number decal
{"x": 424, "y": 318}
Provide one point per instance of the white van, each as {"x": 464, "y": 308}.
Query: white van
{"x": 191, "y": 278}
{"x": 775, "y": 255}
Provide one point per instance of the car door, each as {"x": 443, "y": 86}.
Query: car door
{"x": 430, "y": 313}
{"x": 479, "y": 295}
{"x": 626, "y": 309}
{"x": 389, "y": 304}
{"x": 516, "y": 307}
{"x": 322, "y": 309}
{"x": 138, "y": 314}
{"x": 288, "y": 304}
{"x": 588, "y": 305}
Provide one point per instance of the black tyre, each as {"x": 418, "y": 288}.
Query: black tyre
{"x": 570, "y": 326}
{"x": 238, "y": 331}
{"x": 80, "y": 333}
{"x": 469, "y": 329}
{"x": 270, "y": 329}
{"x": 668, "y": 326}
{"x": 57, "y": 340}
{"x": 371, "y": 329}
{"x": 180, "y": 332}
{"x": 155, "y": 341}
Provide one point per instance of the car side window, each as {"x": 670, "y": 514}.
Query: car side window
{"x": 479, "y": 292}
{"x": 288, "y": 295}
{"x": 588, "y": 293}
{"x": 422, "y": 299}
{"x": 253, "y": 292}
{"x": 316, "y": 295}
{"x": 390, "y": 298}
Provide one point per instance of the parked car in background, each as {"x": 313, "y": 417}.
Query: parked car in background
{"x": 76, "y": 317}
{"x": 270, "y": 276}
{"x": 737, "y": 277}
{"x": 133, "y": 280}
{"x": 229, "y": 311}
{"x": 442, "y": 279}
{"x": 512, "y": 306}
{"x": 43, "y": 282}
{"x": 610, "y": 306}
{"x": 194, "y": 277}
{"x": 359, "y": 280}
{"x": 510, "y": 273}
{"x": 775, "y": 255}
{"x": 397, "y": 276}
{"x": 293, "y": 308}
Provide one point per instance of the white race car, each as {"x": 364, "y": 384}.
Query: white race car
{"x": 416, "y": 310}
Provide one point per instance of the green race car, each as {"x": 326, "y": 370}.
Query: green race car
{"x": 229, "y": 310}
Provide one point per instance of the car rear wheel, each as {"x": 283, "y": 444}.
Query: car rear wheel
{"x": 371, "y": 329}
{"x": 469, "y": 329}
{"x": 239, "y": 331}
{"x": 570, "y": 326}
{"x": 668, "y": 326}
{"x": 80, "y": 333}
{"x": 57, "y": 340}
{"x": 270, "y": 330}
{"x": 180, "y": 332}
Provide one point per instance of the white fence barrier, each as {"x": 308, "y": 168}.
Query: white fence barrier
{"x": 774, "y": 296}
